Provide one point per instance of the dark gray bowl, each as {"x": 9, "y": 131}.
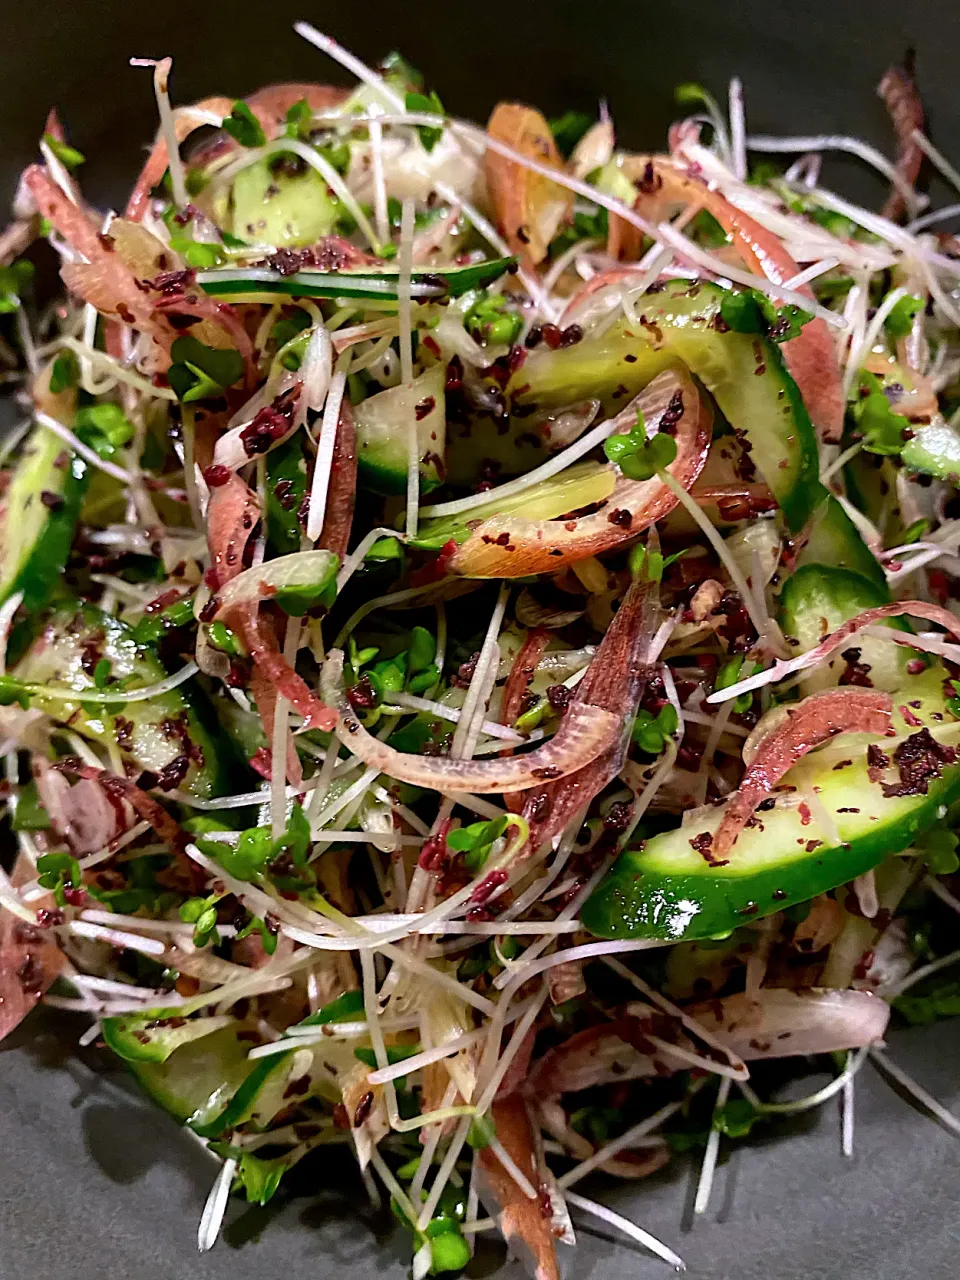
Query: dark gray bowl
{"x": 99, "y": 1185}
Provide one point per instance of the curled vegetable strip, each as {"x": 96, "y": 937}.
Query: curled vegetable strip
{"x": 508, "y": 546}
{"x": 899, "y": 93}
{"x": 30, "y": 961}
{"x": 105, "y": 276}
{"x": 527, "y": 1230}
{"x": 811, "y": 356}
{"x": 232, "y": 515}
{"x": 529, "y": 207}
{"x": 615, "y": 680}
{"x": 805, "y": 725}
{"x": 900, "y": 608}
{"x": 778, "y": 1023}
{"x": 585, "y": 733}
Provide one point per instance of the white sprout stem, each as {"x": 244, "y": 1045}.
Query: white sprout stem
{"x": 278, "y": 747}
{"x": 692, "y": 251}
{"x": 859, "y": 353}
{"x": 925, "y": 1099}
{"x": 690, "y": 1024}
{"x": 324, "y": 461}
{"x": 161, "y": 89}
{"x": 738, "y": 130}
{"x": 855, "y": 1061}
{"x": 464, "y": 735}
{"x": 356, "y": 557}
{"x": 705, "y": 1184}
{"x": 473, "y": 215}
{"x": 379, "y": 184}
{"x": 85, "y": 452}
{"x": 841, "y": 460}
{"x": 838, "y": 142}
{"x": 404, "y": 312}
{"x": 847, "y": 1119}
{"x": 936, "y": 158}
{"x": 419, "y": 1060}
{"x": 930, "y": 219}
{"x": 326, "y": 44}
{"x": 213, "y": 1211}
{"x": 116, "y": 938}
{"x": 813, "y": 272}
{"x": 444, "y": 1172}
{"x": 108, "y": 697}
{"x": 454, "y": 714}
{"x": 898, "y": 988}
{"x": 512, "y": 1168}
{"x": 628, "y": 1228}
{"x": 942, "y": 892}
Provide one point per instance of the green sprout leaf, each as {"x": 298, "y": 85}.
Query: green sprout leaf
{"x": 244, "y": 127}
{"x": 899, "y": 322}
{"x": 427, "y": 104}
{"x": 881, "y": 429}
{"x": 346, "y": 1008}
{"x": 58, "y": 872}
{"x": 568, "y": 129}
{"x": 200, "y": 371}
{"x": 750, "y": 311}
{"x": 13, "y": 281}
{"x": 939, "y": 849}
{"x": 476, "y": 841}
{"x": 490, "y": 320}
{"x": 65, "y": 372}
{"x": 68, "y": 156}
{"x": 731, "y": 673}
{"x": 259, "y": 1178}
{"x": 637, "y": 457}
{"x": 298, "y": 119}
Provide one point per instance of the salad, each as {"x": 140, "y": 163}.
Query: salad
{"x": 479, "y": 653}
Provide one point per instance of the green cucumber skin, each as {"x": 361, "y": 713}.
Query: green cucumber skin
{"x": 159, "y": 1043}
{"x": 744, "y": 373}
{"x": 42, "y": 664}
{"x": 835, "y": 542}
{"x": 334, "y": 284}
{"x": 196, "y": 1077}
{"x": 38, "y": 574}
{"x": 243, "y": 1103}
{"x": 636, "y": 900}
{"x": 383, "y": 477}
{"x": 286, "y": 465}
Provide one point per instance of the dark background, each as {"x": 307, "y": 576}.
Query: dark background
{"x": 94, "y": 1184}
{"x": 809, "y": 66}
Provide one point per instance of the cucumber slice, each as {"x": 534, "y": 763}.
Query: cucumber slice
{"x": 199, "y": 1078}
{"x": 816, "y": 600}
{"x": 154, "y": 1035}
{"x": 667, "y": 890}
{"x": 579, "y": 486}
{"x": 286, "y": 210}
{"x": 744, "y": 373}
{"x": 835, "y": 540}
{"x": 41, "y": 509}
{"x": 266, "y": 1089}
{"x": 153, "y": 733}
{"x": 382, "y": 422}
